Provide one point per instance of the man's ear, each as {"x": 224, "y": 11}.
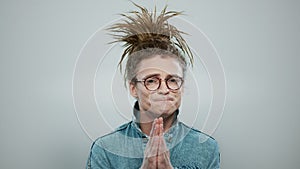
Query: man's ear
{"x": 133, "y": 89}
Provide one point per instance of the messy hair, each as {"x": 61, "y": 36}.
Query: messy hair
{"x": 146, "y": 35}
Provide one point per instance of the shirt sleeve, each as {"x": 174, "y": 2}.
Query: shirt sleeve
{"x": 97, "y": 158}
{"x": 215, "y": 158}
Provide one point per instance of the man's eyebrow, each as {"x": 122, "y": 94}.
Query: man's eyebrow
{"x": 151, "y": 75}
{"x": 174, "y": 75}
{"x": 157, "y": 74}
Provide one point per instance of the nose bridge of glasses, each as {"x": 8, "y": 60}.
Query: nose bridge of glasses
{"x": 163, "y": 84}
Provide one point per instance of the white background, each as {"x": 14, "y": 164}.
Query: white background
{"x": 258, "y": 43}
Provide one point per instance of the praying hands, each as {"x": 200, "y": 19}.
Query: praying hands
{"x": 156, "y": 155}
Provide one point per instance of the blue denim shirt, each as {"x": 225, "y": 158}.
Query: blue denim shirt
{"x": 124, "y": 148}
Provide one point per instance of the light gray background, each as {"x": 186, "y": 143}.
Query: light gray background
{"x": 258, "y": 42}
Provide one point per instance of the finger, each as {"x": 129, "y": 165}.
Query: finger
{"x": 160, "y": 126}
{"x": 160, "y": 120}
{"x": 149, "y": 144}
{"x": 153, "y": 127}
{"x": 162, "y": 144}
{"x": 163, "y": 157}
{"x": 157, "y": 127}
{"x": 153, "y": 144}
{"x": 161, "y": 139}
{"x": 152, "y": 148}
{"x": 161, "y": 129}
{"x": 163, "y": 160}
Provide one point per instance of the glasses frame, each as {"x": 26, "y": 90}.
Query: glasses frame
{"x": 144, "y": 82}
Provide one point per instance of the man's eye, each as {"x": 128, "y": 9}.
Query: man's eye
{"x": 151, "y": 81}
{"x": 174, "y": 80}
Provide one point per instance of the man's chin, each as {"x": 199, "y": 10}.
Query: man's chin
{"x": 163, "y": 112}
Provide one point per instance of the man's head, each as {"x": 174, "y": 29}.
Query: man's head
{"x": 156, "y": 82}
{"x": 156, "y": 50}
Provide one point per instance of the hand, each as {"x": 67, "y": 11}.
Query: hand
{"x": 156, "y": 155}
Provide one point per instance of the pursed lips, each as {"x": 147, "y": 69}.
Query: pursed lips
{"x": 164, "y": 99}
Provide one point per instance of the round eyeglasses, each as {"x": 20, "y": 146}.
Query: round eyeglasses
{"x": 153, "y": 83}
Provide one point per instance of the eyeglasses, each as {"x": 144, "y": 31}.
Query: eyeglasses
{"x": 153, "y": 83}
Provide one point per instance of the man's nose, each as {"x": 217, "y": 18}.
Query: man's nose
{"x": 163, "y": 88}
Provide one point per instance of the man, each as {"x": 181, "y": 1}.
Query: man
{"x": 155, "y": 72}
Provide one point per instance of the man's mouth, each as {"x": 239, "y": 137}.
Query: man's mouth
{"x": 164, "y": 99}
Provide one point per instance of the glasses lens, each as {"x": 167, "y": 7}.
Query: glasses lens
{"x": 174, "y": 83}
{"x": 152, "y": 83}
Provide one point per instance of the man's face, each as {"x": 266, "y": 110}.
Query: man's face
{"x": 161, "y": 102}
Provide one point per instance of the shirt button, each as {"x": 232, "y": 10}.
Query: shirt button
{"x": 145, "y": 140}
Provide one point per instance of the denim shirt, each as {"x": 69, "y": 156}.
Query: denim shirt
{"x": 124, "y": 148}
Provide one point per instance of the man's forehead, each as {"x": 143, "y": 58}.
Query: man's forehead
{"x": 157, "y": 71}
{"x": 161, "y": 65}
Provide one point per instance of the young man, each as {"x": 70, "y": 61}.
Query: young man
{"x": 155, "y": 72}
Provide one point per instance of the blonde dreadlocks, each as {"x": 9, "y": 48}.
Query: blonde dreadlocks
{"x": 146, "y": 35}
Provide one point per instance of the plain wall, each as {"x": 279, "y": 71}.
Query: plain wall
{"x": 257, "y": 41}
